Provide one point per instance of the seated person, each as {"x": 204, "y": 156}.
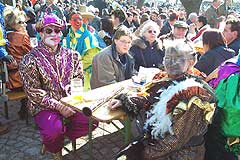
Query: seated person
{"x": 3, "y": 56}
{"x": 113, "y": 63}
{"x": 46, "y": 73}
{"x": 19, "y": 46}
{"x": 174, "y": 111}
{"x": 216, "y": 52}
{"x": 146, "y": 50}
{"x": 222, "y": 140}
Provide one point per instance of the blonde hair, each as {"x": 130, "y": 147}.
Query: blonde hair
{"x": 12, "y": 16}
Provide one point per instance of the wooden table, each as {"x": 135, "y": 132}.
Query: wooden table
{"x": 102, "y": 114}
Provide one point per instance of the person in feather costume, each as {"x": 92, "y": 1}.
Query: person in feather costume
{"x": 173, "y": 112}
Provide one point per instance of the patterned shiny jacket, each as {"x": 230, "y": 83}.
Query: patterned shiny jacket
{"x": 177, "y": 114}
{"x": 46, "y": 76}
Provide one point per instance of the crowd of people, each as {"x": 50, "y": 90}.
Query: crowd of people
{"x": 188, "y": 111}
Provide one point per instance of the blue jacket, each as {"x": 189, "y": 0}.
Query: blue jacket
{"x": 213, "y": 58}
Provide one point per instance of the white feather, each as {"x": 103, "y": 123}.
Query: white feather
{"x": 157, "y": 118}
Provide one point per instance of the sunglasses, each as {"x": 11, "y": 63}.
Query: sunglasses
{"x": 76, "y": 19}
{"x": 151, "y": 31}
{"x": 21, "y": 22}
{"x": 49, "y": 31}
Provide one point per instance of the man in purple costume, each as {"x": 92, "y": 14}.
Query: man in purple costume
{"x": 46, "y": 73}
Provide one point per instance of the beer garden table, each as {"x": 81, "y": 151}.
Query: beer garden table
{"x": 101, "y": 113}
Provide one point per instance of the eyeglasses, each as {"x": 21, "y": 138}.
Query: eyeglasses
{"x": 76, "y": 19}
{"x": 125, "y": 42}
{"x": 49, "y": 30}
{"x": 151, "y": 31}
{"x": 21, "y": 22}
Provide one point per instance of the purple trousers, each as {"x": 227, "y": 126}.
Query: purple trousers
{"x": 53, "y": 131}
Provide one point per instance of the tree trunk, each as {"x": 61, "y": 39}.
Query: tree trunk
{"x": 140, "y": 3}
{"x": 191, "y": 5}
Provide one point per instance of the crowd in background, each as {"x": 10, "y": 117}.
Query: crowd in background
{"x": 114, "y": 40}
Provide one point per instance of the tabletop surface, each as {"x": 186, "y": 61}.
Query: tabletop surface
{"x": 93, "y": 97}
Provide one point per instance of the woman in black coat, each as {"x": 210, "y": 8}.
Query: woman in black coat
{"x": 146, "y": 49}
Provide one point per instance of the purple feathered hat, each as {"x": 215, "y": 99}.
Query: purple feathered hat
{"x": 50, "y": 19}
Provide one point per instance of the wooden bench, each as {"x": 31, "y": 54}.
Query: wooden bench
{"x": 9, "y": 95}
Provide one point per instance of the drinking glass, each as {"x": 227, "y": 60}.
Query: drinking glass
{"x": 76, "y": 88}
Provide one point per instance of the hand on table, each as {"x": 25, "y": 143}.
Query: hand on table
{"x": 66, "y": 111}
{"x": 115, "y": 104}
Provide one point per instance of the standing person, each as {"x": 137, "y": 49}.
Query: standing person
{"x": 46, "y": 73}
{"x": 100, "y": 4}
{"x": 114, "y": 63}
{"x": 215, "y": 52}
{"x": 19, "y": 46}
{"x": 173, "y": 112}
{"x": 232, "y": 34}
{"x": 211, "y": 14}
{"x": 168, "y": 24}
{"x": 82, "y": 40}
{"x": 146, "y": 49}
{"x": 118, "y": 17}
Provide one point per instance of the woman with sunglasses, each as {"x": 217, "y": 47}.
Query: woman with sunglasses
{"x": 145, "y": 49}
{"x": 46, "y": 73}
{"x": 19, "y": 46}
